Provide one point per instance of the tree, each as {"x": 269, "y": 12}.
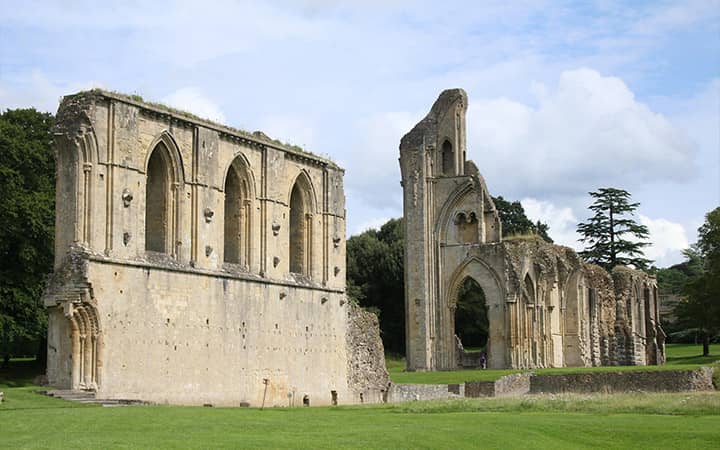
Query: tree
{"x": 672, "y": 280}
{"x": 27, "y": 217}
{"x": 606, "y": 231}
{"x": 375, "y": 278}
{"x": 700, "y": 309}
{"x": 515, "y": 222}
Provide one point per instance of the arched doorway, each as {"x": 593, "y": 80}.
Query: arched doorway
{"x": 476, "y": 310}
{"x": 471, "y": 320}
{"x": 472, "y": 326}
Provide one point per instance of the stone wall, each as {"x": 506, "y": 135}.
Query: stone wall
{"x": 368, "y": 377}
{"x": 417, "y": 392}
{"x": 608, "y": 382}
{"x": 519, "y": 384}
{"x": 509, "y": 385}
{"x": 196, "y": 263}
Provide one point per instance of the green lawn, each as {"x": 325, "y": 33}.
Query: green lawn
{"x": 28, "y": 420}
{"x": 679, "y": 357}
{"x": 682, "y": 420}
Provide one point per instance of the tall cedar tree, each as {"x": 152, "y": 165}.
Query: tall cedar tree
{"x": 27, "y": 218}
{"x": 700, "y": 309}
{"x": 607, "y": 230}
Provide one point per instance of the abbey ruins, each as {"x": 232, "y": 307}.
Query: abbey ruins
{"x": 199, "y": 264}
{"x": 545, "y": 307}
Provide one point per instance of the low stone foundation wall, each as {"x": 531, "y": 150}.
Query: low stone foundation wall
{"x": 507, "y": 386}
{"x": 608, "y": 382}
{"x": 582, "y": 383}
{"x": 413, "y": 392}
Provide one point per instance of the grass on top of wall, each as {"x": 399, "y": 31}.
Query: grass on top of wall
{"x": 679, "y": 357}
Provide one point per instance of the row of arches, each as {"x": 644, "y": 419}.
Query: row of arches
{"x": 538, "y": 329}
{"x": 163, "y": 178}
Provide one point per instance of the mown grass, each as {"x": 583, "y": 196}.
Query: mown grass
{"x": 679, "y": 357}
{"x": 610, "y": 421}
{"x": 684, "y": 420}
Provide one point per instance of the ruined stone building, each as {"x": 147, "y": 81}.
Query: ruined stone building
{"x": 545, "y": 307}
{"x": 196, "y": 263}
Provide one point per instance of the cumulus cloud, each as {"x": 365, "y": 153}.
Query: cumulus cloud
{"x": 290, "y": 129}
{"x": 35, "y": 89}
{"x": 561, "y": 220}
{"x": 373, "y": 156}
{"x": 192, "y": 100}
{"x": 668, "y": 240}
{"x": 588, "y": 131}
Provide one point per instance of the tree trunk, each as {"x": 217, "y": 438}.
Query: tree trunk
{"x": 706, "y": 344}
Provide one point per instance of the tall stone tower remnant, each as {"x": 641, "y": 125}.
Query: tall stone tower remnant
{"x": 545, "y": 307}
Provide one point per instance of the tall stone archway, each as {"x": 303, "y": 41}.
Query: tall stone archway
{"x": 494, "y": 294}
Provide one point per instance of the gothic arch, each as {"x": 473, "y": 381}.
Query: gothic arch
{"x": 495, "y": 295}
{"x": 304, "y": 178}
{"x": 86, "y": 342}
{"x": 175, "y": 157}
{"x": 300, "y": 230}
{"x": 447, "y": 158}
{"x": 239, "y": 191}
{"x": 164, "y": 180}
{"x": 445, "y": 217}
{"x": 77, "y": 158}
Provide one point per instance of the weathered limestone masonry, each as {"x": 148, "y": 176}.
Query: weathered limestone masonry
{"x": 546, "y": 308}
{"x": 195, "y": 264}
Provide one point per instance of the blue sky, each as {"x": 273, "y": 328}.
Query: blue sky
{"x": 565, "y": 97}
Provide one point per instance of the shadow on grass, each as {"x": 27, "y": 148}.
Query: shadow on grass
{"x": 20, "y": 373}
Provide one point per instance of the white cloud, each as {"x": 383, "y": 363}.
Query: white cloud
{"x": 668, "y": 240}
{"x": 34, "y": 89}
{"x": 374, "y": 223}
{"x": 587, "y": 132}
{"x": 561, "y": 220}
{"x": 290, "y": 129}
{"x": 190, "y": 99}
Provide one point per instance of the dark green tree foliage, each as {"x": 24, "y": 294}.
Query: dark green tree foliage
{"x": 700, "y": 308}
{"x": 672, "y": 280}
{"x": 607, "y": 231}
{"x": 375, "y": 278}
{"x": 515, "y": 222}
{"x": 27, "y": 203}
{"x": 471, "y": 319}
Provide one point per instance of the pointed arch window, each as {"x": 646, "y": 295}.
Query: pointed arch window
{"x": 529, "y": 289}
{"x": 159, "y": 201}
{"x": 448, "y": 159}
{"x": 300, "y": 242}
{"x": 238, "y": 214}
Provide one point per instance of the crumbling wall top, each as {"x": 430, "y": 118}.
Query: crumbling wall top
{"x": 72, "y": 106}
{"x": 428, "y": 126}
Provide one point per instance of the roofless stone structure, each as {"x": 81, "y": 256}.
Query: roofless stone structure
{"x": 545, "y": 307}
{"x": 195, "y": 263}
